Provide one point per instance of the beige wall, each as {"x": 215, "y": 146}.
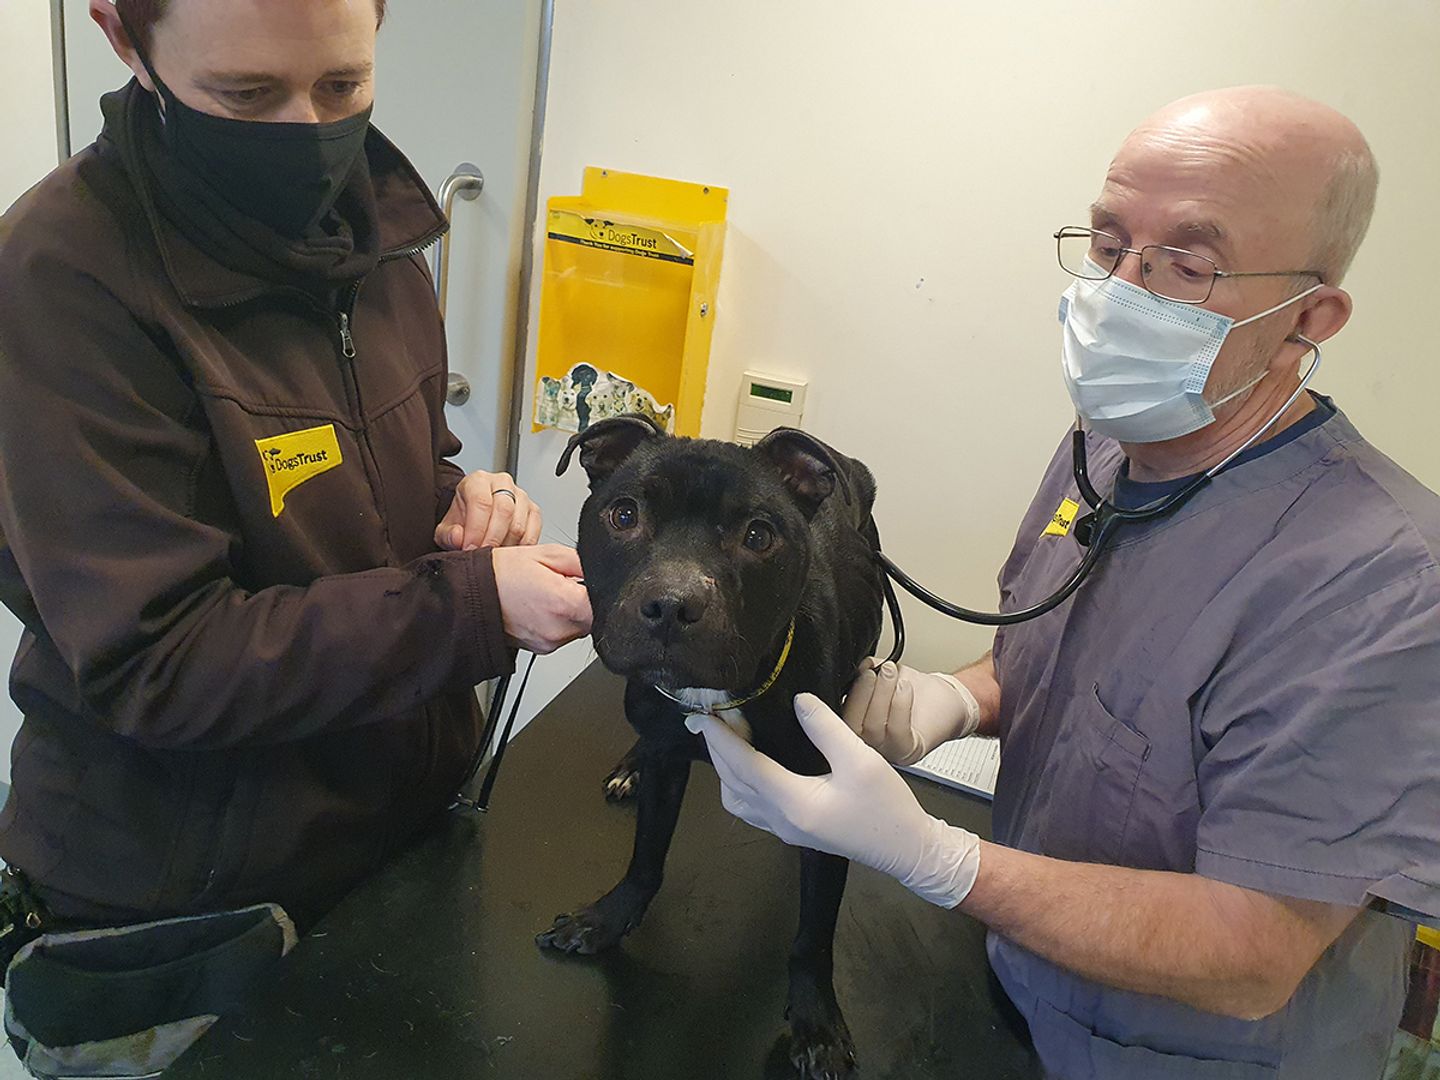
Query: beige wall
{"x": 27, "y": 97}
{"x": 896, "y": 171}
{"x": 27, "y": 128}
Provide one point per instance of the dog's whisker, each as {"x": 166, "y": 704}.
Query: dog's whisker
{"x": 734, "y": 659}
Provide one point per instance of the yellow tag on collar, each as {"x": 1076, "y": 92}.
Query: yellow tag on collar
{"x": 291, "y": 459}
{"x": 1063, "y": 519}
{"x": 735, "y": 703}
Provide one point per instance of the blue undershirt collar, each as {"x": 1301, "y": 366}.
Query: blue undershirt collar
{"x": 1131, "y": 494}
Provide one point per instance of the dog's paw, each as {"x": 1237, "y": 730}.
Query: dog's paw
{"x": 623, "y": 781}
{"x": 822, "y": 1050}
{"x": 587, "y": 931}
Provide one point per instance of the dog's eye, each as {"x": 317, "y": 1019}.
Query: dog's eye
{"x": 759, "y": 536}
{"x": 624, "y": 515}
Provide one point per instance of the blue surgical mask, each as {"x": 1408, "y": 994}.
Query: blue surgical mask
{"x": 1136, "y": 365}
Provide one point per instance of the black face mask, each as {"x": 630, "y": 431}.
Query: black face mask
{"x": 287, "y": 176}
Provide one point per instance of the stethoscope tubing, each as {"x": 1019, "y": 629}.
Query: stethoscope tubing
{"x": 1093, "y": 532}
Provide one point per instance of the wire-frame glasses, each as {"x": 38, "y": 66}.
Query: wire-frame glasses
{"x": 1170, "y": 273}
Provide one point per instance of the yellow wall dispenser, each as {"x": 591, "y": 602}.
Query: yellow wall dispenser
{"x": 627, "y": 301}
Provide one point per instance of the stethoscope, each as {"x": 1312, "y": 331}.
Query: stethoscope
{"x": 1093, "y": 531}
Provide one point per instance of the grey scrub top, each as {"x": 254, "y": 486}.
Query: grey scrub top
{"x": 1249, "y": 690}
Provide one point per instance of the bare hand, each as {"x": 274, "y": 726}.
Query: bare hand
{"x": 542, "y": 600}
{"x": 489, "y": 510}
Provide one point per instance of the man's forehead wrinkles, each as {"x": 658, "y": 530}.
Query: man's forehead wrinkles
{"x": 1184, "y": 221}
{"x": 1177, "y": 201}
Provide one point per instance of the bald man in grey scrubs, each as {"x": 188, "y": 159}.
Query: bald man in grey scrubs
{"x": 1223, "y": 752}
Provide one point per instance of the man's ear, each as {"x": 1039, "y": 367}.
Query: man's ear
{"x": 1326, "y": 312}
{"x": 1321, "y": 317}
{"x": 807, "y": 466}
{"x": 605, "y": 444}
{"x": 104, "y": 15}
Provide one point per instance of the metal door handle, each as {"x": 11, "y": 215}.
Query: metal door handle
{"x": 457, "y": 389}
{"x": 467, "y": 181}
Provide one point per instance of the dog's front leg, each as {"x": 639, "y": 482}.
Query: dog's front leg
{"x": 601, "y": 925}
{"x": 820, "y": 1043}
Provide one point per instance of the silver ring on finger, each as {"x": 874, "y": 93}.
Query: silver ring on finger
{"x": 506, "y": 491}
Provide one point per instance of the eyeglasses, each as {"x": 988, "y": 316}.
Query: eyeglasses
{"x": 1170, "y": 273}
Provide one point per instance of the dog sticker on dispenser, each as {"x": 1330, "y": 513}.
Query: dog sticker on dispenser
{"x": 586, "y": 395}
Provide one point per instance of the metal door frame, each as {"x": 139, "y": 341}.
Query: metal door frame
{"x": 62, "y": 93}
{"x": 527, "y": 253}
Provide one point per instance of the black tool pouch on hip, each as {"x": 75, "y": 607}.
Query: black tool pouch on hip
{"x": 23, "y": 917}
{"x": 127, "y": 1001}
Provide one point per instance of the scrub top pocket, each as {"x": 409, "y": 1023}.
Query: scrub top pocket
{"x": 1094, "y": 771}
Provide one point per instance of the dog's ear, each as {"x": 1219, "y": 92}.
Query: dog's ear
{"x": 606, "y": 443}
{"x": 806, "y": 464}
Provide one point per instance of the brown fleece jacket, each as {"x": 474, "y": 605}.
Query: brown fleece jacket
{"x": 246, "y": 673}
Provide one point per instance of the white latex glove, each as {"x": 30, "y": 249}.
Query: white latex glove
{"x": 904, "y": 713}
{"x": 862, "y": 810}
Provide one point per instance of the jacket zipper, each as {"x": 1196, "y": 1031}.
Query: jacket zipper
{"x": 347, "y": 343}
{"x": 345, "y": 311}
{"x": 413, "y": 249}
{"x": 385, "y": 256}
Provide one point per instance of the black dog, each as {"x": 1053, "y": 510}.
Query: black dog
{"x": 748, "y": 574}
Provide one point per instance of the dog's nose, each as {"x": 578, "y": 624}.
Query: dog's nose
{"x": 682, "y": 609}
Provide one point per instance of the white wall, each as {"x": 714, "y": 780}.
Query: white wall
{"x": 27, "y": 126}
{"x": 92, "y": 69}
{"x": 896, "y": 171}
{"x": 27, "y": 102}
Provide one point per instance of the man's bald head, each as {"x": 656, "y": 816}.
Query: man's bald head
{"x": 1308, "y": 163}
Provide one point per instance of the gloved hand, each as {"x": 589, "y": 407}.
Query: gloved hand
{"x": 904, "y": 713}
{"x": 862, "y": 810}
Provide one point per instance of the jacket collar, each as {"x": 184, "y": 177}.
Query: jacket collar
{"x": 215, "y": 257}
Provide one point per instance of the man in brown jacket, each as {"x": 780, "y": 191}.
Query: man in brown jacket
{"x": 256, "y": 594}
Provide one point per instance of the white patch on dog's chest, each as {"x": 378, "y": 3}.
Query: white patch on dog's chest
{"x": 702, "y": 700}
